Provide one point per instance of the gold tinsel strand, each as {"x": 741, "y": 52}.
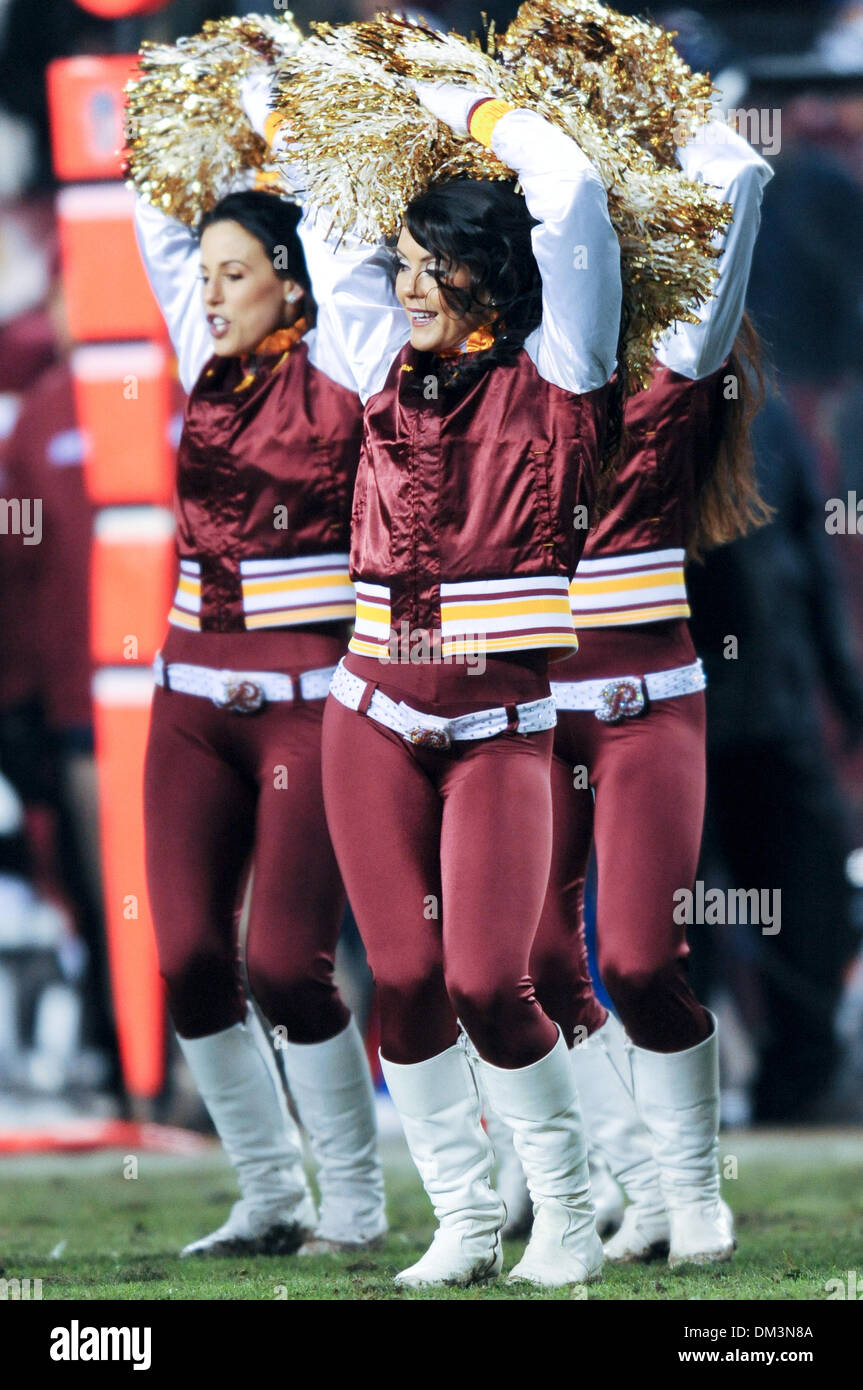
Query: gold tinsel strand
{"x": 188, "y": 139}
{"x": 616, "y": 85}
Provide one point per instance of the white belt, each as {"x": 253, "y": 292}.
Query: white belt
{"x": 430, "y": 731}
{"x": 244, "y": 692}
{"x": 623, "y": 696}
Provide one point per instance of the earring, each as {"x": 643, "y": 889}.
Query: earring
{"x": 293, "y": 296}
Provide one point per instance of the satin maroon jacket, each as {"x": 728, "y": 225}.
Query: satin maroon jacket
{"x": 464, "y": 512}
{"x": 632, "y": 570}
{"x": 264, "y": 486}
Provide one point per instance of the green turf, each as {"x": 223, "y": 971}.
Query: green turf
{"x": 89, "y": 1233}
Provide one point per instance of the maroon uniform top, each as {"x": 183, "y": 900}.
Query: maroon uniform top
{"x": 632, "y": 571}
{"x": 265, "y": 476}
{"x": 464, "y": 518}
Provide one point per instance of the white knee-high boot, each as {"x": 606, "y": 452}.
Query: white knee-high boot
{"x": 677, "y": 1094}
{"x": 237, "y": 1077}
{"x": 603, "y": 1076}
{"x": 438, "y": 1105}
{"x": 332, "y": 1090}
{"x": 540, "y": 1105}
{"x": 511, "y": 1184}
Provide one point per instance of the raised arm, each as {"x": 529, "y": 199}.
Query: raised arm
{"x": 575, "y": 245}
{"x": 718, "y": 156}
{"x": 360, "y": 325}
{"x": 171, "y": 258}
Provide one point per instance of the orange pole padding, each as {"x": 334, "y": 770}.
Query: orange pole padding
{"x": 86, "y": 103}
{"x": 121, "y": 700}
{"x": 132, "y": 580}
{"x": 119, "y": 9}
{"x": 107, "y": 293}
{"x": 123, "y": 400}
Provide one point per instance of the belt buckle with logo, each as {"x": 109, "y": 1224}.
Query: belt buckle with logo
{"x": 241, "y": 697}
{"x": 620, "y": 699}
{"x": 440, "y": 739}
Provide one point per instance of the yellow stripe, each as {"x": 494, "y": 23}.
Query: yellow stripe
{"x": 181, "y": 619}
{"x": 272, "y": 126}
{"x": 189, "y": 586}
{"x": 653, "y": 580}
{"x": 486, "y": 117}
{"x": 453, "y": 611}
{"x": 373, "y": 612}
{"x": 286, "y": 616}
{"x": 305, "y": 581}
{"x": 528, "y": 642}
{"x": 362, "y": 648}
{"x": 632, "y": 615}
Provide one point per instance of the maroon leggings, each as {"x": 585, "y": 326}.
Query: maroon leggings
{"x": 214, "y": 803}
{"x": 445, "y": 858}
{"x": 648, "y": 779}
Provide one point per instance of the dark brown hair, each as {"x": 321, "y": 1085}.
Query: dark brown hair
{"x": 486, "y": 226}
{"x": 728, "y": 501}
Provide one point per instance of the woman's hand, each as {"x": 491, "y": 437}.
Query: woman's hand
{"x": 450, "y": 102}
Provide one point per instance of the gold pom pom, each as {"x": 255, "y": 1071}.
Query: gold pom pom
{"x": 623, "y": 70}
{"x": 188, "y": 139}
{"x": 615, "y": 84}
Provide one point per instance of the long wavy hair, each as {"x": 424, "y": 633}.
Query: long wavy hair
{"x": 485, "y": 227}
{"x": 728, "y": 501}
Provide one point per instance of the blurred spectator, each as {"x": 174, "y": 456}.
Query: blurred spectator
{"x": 46, "y": 736}
{"x": 770, "y": 625}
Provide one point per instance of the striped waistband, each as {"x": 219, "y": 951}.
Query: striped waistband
{"x": 275, "y": 593}
{"x": 482, "y": 615}
{"x": 619, "y": 589}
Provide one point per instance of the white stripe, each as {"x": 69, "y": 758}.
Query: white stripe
{"x": 372, "y": 631}
{"x": 630, "y": 562}
{"x": 531, "y": 622}
{"x": 114, "y": 685}
{"x": 187, "y": 603}
{"x": 623, "y": 598}
{"x": 502, "y": 588}
{"x": 88, "y": 202}
{"x": 309, "y": 564}
{"x": 191, "y": 568}
{"x": 372, "y": 591}
{"x": 100, "y": 362}
{"x": 130, "y": 524}
{"x": 297, "y": 598}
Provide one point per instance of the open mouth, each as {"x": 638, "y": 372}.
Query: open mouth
{"x": 420, "y": 318}
{"x": 218, "y": 326}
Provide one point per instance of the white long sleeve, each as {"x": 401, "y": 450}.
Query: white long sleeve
{"x": 171, "y": 258}
{"x": 718, "y": 156}
{"x": 576, "y": 249}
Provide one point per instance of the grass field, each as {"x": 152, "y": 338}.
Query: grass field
{"x": 89, "y": 1233}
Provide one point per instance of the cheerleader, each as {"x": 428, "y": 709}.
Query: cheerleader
{"x": 266, "y": 466}
{"x": 485, "y": 382}
{"x": 628, "y": 770}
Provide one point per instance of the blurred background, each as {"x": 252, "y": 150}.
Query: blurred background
{"x": 90, "y": 412}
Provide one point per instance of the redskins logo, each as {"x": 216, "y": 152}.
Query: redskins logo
{"x": 619, "y": 700}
